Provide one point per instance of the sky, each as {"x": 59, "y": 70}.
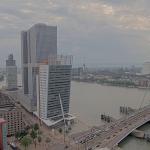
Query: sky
{"x": 95, "y": 32}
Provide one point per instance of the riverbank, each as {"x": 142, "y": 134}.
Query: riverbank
{"x": 112, "y": 83}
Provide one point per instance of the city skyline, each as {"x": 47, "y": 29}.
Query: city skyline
{"x": 74, "y": 74}
{"x": 84, "y": 27}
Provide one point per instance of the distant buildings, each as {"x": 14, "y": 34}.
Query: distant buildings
{"x": 13, "y": 115}
{"x": 3, "y": 135}
{"x": 146, "y": 68}
{"x": 77, "y": 72}
{"x": 11, "y": 73}
{"x": 54, "y": 80}
{"x": 37, "y": 44}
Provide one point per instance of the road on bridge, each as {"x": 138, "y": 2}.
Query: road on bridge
{"x": 112, "y": 134}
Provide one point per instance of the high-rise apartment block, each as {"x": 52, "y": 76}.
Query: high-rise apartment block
{"x": 3, "y": 135}
{"x": 37, "y": 44}
{"x": 54, "y": 82}
{"x": 11, "y": 73}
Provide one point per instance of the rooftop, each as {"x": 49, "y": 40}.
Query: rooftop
{"x": 6, "y": 101}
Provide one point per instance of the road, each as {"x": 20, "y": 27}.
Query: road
{"x": 56, "y": 139}
{"x": 113, "y": 133}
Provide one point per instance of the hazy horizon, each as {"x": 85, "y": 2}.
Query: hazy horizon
{"x": 95, "y": 32}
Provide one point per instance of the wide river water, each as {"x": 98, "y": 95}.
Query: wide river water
{"x": 89, "y": 100}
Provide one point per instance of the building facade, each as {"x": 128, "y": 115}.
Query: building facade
{"x": 14, "y": 120}
{"x": 146, "y": 68}
{"x": 12, "y": 115}
{"x": 11, "y": 73}
{"x": 54, "y": 81}
{"x": 3, "y": 135}
{"x": 37, "y": 44}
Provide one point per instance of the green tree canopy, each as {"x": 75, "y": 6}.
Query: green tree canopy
{"x": 25, "y": 142}
{"x": 36, "y": 127}
{"x": 33, "y": 134}
{"x": 39, "y": 139}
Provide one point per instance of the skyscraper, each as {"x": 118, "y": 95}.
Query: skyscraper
{"x": 146, "y": 68}
{"x": 54, "y": 80}
{"x": 11, "y": 73}
{"x": 3, "y": 135}
{"x": 37, "y": 44}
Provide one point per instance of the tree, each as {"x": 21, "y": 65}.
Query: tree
{"x": 17, "y": 135}
{"x": 48, "y": 140}
{"x": 60, "y": 130}
{"x": 33, "y": 135}
{"x": 39, "y": 132}
{"x": 20, "y": 135}
{"x": 39, "y": 139}
{"x": 25, "y": 142}
{"x": 36, "y": 127}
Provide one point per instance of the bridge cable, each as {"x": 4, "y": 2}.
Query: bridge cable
{"x": 143, "y": 99}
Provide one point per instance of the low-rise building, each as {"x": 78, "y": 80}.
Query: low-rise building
{"x": 12, "y": 114}
{"x": 14, "y": 120}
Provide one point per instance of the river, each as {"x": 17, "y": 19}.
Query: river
{"x": 89, "y": 100}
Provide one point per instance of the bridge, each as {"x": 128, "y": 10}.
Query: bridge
{"x": 111, "y": 134}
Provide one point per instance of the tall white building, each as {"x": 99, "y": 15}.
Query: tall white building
{"x": 54, "y": 80}
{"x": 37, "y": 44}
{"x": 146, "y": 68}
{"x": 11, "y": 73}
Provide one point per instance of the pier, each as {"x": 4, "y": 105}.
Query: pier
{"x": 107, "y": 118}
{"x": 126, "y": 110}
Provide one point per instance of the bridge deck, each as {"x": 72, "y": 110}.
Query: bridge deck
{"x": 113, "y": 133}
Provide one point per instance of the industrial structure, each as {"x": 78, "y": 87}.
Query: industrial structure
{"x": 11, "y": 73}
{"x": 37, "y": 44}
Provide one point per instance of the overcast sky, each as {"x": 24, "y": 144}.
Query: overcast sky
{"x": 94, "y": 31}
